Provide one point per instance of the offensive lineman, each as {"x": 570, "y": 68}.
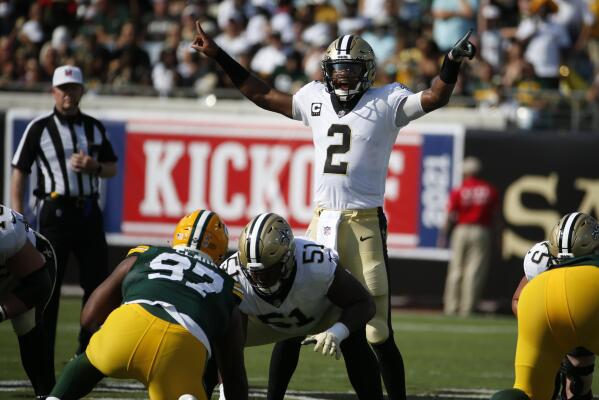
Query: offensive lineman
{"x": 163, "y": 312}
{"x": 294, "y": 287}
{"x": 27, "y": 276}
{"x": 557, "y": 306}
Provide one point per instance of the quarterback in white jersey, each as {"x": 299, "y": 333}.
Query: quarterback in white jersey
{"x": 354, "y": 127}
{"x": 353, "y": 148}
{"x": 27, "y": 274}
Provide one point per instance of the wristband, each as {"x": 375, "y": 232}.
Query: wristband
{"x": 449, "y": 70}
{"x": 236, "y": 72}
{"x": 99, "y": 169}
{"x": 340, "y": 330}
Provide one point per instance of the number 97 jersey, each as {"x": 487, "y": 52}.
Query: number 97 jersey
{"x": 302, "y": 302}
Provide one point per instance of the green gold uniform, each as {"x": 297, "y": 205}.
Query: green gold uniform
{"x": 175, "y": 303}
{"x": 557, "y": 311}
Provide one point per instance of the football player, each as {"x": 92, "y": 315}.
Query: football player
{"x": 552, "y": 319}
{"x": 163, "y": 312}
{"x": 294, "y": 287}
{"x": 354, "y": 127}
{"x": 27, "y": 276}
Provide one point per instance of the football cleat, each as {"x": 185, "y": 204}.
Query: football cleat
{"x": 203, "y": 230}
{"x": 575, "y": 235}
{"x": 349, "y": 67}
{"x": 266, "y": 253}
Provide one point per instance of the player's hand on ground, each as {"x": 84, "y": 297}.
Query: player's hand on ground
{"x": 203, "y": 43}
{"x": 326, "y": 342}
{"x": 462, "y": 49}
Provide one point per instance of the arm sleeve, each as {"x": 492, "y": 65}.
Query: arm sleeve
{"x": 408, "y": 109}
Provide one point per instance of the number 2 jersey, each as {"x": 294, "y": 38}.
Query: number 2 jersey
{"x": 305, "y": 302}
{"x": 187, "y": 285}
{"x": 352, "y": 149}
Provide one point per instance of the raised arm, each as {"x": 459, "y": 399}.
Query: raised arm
{"x": 440, "y": 91}
{"x": 252, "y": 87}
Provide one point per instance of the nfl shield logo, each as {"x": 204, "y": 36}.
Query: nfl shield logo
{"x": 327, "y": 230}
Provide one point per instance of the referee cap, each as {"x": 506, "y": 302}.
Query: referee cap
{"x": 67, "y": 74}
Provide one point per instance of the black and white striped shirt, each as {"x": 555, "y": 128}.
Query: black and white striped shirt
{"x": 49, "y": 141}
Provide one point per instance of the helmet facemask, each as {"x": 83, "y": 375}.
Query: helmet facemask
{"x": 348, "y": 67}
{"x": 269, "y": 280}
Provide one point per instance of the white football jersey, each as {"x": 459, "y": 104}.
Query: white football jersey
{"x": 14, "y": 231}
{"x": 353, "y": 150}
{"x": 538, "y": 259}
{"x": 305, "y": 303}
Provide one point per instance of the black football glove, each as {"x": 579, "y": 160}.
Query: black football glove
{"x": 462, "y": 49}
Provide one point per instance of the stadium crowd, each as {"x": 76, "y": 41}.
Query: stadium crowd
{"x": 143, "y": 46}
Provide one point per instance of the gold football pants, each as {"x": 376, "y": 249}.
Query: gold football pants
{"x": 165, "y": 357}
{"x": 361, "y": 245}
{"x": 558, "y": 310}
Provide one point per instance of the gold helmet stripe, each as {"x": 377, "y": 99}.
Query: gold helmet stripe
{"x": 199, "y": 227}
{"x": 253, "y": 240}
{"x": 567, "y": 232}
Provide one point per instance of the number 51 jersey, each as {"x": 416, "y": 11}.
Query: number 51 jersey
{"x": 303, "y": 301}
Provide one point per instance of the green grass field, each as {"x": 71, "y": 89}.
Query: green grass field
{"x": 443, "y": 357}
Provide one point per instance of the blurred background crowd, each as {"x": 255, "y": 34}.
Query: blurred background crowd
{"x": 535, "y": 56}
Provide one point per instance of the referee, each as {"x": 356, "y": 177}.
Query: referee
{"x": 71, "y": 152}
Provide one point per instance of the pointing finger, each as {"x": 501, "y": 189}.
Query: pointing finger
{"x": 199, "y": 28}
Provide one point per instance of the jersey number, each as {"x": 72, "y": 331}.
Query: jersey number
{"x": 175, "y": 265}
{"x": 340, "y": 167}
{"x": 295, "y": 318}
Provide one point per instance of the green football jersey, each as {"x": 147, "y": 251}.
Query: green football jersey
{"x": 187, "y": 280}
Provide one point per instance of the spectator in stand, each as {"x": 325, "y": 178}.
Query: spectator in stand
{"x": 290, "y": 77}
{"x": 451, "y": 18}
{"x": 589, "y": 37}
{"x": 158, "y": 22}
{"x": 131, "y": 63}
{"x": 269, "y": 57}
{"x": 381, "y": 38}
{"x": 471, "y": 216}
{"x": 492, "y": 43}
{"x": 232, "y": 39}
{"x": 544, "y": 41}
{"x": 164, "y": 74}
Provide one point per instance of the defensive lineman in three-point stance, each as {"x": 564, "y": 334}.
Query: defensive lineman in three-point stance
{"x": 354, "y": 127}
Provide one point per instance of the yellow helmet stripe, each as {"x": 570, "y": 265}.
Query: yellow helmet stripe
{"x": 199, "y": 227}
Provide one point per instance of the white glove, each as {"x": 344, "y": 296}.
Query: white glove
{"x": 329, "y": 341}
